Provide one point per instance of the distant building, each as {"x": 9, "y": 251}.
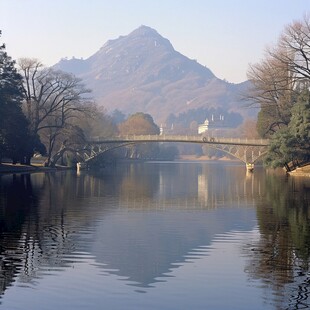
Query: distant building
{"x": 203, "y": 127}
{"x": 215, "y": 124}
{"x": 161, "y": 130}
{"x": 164, "y": 130}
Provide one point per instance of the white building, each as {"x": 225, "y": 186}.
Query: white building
{"x": 203, "y": 127}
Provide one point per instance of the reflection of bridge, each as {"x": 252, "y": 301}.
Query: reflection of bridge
{"x": 246, "y": 150}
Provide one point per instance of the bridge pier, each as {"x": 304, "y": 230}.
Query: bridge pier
{"x": 250, "y": 167}
{"x": 81, "y": 166}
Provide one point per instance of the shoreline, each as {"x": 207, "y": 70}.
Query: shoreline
{"x": 7, "y": 168}
{"x": 301, "y": 171}
{"x": 18, "y": 168}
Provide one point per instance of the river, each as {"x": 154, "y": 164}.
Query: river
{"x": 155, "y": 235}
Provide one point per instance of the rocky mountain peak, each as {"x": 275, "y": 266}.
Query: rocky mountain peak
{"x": 143, "y": 40}
{"x": 144, "y": 31}
{"x": 141, "y": 72}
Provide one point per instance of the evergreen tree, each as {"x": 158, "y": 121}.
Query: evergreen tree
{"x": 299, "y": 126}
{"x": 15, "y": 141}
{"x": 291, "y": 144}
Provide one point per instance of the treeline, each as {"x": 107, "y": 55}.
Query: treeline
{"x": 16, "y": 140}
{"x": 281, "y": 88}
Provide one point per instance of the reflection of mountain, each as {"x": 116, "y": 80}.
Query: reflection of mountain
{"x": 146, "y": 246}
{"x": 280, "y": 258}
{"x": 139, "y": 220}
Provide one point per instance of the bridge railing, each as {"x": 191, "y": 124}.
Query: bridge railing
{"x": 182, "y": 138}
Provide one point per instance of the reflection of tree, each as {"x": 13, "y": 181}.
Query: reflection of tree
{"x": 17, "y": 198}
{"x": 136, "y": 182}
{"x": 281, "y": 256}
{"x": 41, "y": 216}
{"x": 229, "y": 185}
{"x": 33, "y": 230}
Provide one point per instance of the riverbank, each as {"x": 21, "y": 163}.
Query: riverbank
{"x": 18, "y": 168}
{"x": 301, "y": 171}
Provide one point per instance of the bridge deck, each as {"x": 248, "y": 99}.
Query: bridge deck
{"x": 175, "y": 138}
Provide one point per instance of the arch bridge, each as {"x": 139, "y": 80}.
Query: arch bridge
{"x": 248, "y": 151}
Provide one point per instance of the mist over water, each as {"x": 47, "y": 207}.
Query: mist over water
{"x": 157, "y": 235}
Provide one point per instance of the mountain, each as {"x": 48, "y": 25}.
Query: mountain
{"x": 141, "y": 72}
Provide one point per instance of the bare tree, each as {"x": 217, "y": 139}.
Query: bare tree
{"x": 279, "y": 78}
{"x": 74, "y": 137}
{"x": 272, "y": 89}
{"x": 53, "y": 100}
{"x": 295, "y": 41}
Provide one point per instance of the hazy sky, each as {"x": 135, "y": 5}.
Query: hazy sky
{"x": 224, "y": 35}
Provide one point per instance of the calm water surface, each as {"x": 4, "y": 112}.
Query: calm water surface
{"x": 155, "y": 236}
